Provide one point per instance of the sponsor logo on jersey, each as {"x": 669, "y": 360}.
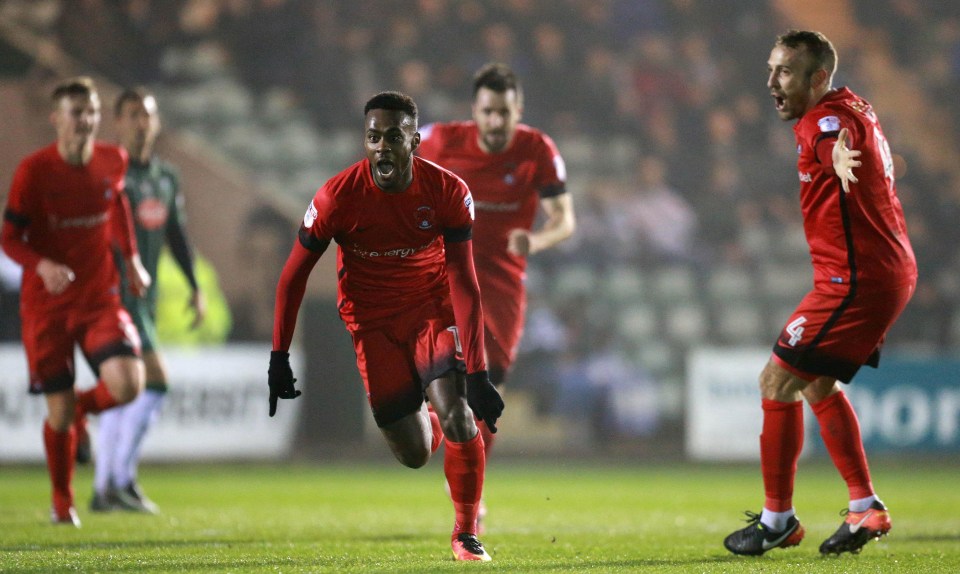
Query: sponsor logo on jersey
{"x": 795, "y": 330}
{"x": 399, "y": 252}
{"x": 829, "y": 124}
{"x": 468, "y": 202}
{"x": 498, "y": 205}
{"x": 310, "y": 216}
{"x": 87, "y": 222}
{"x": 805, "y": 177}
{"x": 152, "y": 214}
{"x": 425, "y": 217}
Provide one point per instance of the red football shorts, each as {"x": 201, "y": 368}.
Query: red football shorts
{"x": 833, "y": 335}
{"x": 504, "y": 310}
{"x": 103, "y": 330}
{"x": 400, "y": 355}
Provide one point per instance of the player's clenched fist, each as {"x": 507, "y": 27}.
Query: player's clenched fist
{"x": 484, "y": 399}
{"x": 280, "y": 378}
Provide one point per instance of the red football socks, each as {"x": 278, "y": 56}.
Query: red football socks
{"x": 437, "y": 431}
{"x": 488, "y": 438}
{"x": 61, "y": 449}
{"x": 840, "y": 430}
{"x": 780, "y": 445}
{"x": 95, "y": 400}
{"x": 463, "y": 465}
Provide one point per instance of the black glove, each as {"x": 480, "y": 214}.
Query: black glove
{"x": 484, "y": 399}
{"x": 280, "y": 378}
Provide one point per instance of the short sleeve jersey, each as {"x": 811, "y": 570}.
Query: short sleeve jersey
{"x": 390, "y": 253}
{"x": 506, "y": 186}
{"x": 68, "y": 214}
{"x": 856, "y": 239}
{"x": 153, "y": 190}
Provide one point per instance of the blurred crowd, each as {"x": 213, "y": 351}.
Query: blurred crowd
{"x": 676, "y": 157}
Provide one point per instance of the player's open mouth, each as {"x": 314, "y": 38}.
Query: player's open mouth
{"x": 779, "y": 101}
{"x": 385, "y": 168}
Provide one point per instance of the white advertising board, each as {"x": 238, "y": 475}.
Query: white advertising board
{"x": 723, "y": 406}
{"x": 216, "y": 408}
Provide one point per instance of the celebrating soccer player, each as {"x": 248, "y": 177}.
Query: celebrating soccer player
{"x": 511, "y": 168}
{"x": 153, "y": 189}
{"x": 66, "y": 211}
{"x": 409, "y": 297}
{"x": 864, "y": 273}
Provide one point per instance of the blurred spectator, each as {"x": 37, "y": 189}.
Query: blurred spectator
{"x": 266, "y": 239}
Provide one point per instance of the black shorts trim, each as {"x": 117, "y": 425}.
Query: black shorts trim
{"x": 119, "y": 349}
{"x": 56, "y": 384}
{"x": 808, "y": 361}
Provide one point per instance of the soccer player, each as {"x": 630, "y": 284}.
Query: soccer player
{"x": 408, "y": 296}
{"x": 65, "y": 213}
{"x": 153, "y": 189}
{"x": 864, "y": 273}
{"x": 511, "y": 169}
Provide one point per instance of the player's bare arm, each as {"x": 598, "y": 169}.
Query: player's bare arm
{"x": 139, "y": 278}
{"x": 560, "y": 224}
{"x": 56, "y": 276}
{"x": 198, "y": 303}
{"x": 844, "y": 160}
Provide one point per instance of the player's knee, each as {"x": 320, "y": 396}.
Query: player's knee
{"x": 413, "y": 457}
{"x": 459, "y": 424}
{"x": 778, "y": 384}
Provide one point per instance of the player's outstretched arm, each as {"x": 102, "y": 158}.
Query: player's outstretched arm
{"x": 290, "y": 290}
{"x": 844, "y": 160}
{"x": 482, "y": 396}
{"x": 559, "y": 225}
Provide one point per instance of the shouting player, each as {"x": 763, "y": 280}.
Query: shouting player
{"x": 152, "y": 187}
{"x": 511, "y": 169}
{"x": 65, "y": 213}
{"x": 864, "y": 273}
{"x": 408, "y": 295}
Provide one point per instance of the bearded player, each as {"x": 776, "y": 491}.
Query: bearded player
{"x": 864, "y": 272}
{"x": 511, "y": 169}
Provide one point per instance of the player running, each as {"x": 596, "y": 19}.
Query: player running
{"x": 65, "y": 213}
{"x": 864, "y": 274}
{"x": 408, "y": 295}
{"x": 511, "y": 169}
{"x": 153, "y": 189}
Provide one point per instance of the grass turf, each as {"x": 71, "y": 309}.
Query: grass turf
{"x": 548, "y": 517}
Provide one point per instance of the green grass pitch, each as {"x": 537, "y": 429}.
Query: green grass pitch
{"x": 546, "y": 517}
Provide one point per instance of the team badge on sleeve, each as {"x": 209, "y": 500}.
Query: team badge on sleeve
{"x": 468, "y": 203}
{"x": 310, "y": 216}
{"x": 829, "y": 124}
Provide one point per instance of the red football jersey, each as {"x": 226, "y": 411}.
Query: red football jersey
{"x": 860, "y": 237}
{"x": 506, "y": 186}
{"x": 71, "y": 215}
{"x": 390, "y": 252}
